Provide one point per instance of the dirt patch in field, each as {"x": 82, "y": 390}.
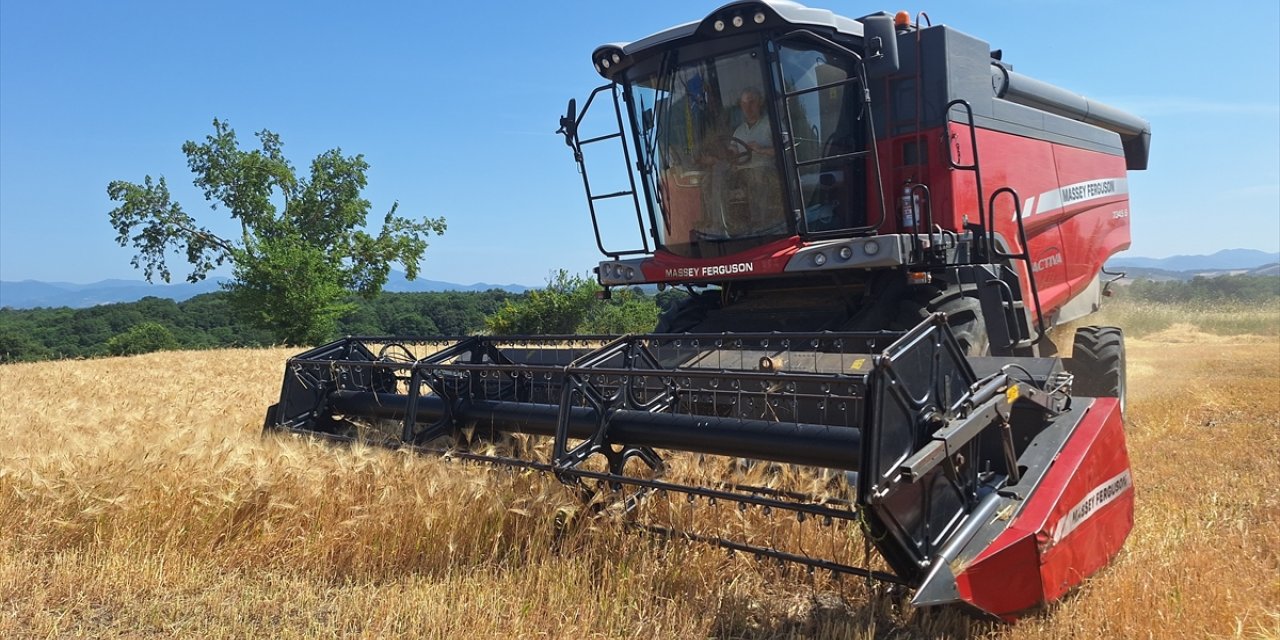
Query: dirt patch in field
{"x": 1183, "y": 333}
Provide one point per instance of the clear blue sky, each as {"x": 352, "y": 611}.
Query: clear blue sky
{"x": 454, "y": 105}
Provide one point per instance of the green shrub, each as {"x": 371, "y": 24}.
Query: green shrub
{"x": 568, "y": 304}
{"x": 142, "y": 338}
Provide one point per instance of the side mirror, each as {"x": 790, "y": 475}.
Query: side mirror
{"x": 879, "y": 45}
{"x": 569, "y": 123}
{"x": 648, "y": 120}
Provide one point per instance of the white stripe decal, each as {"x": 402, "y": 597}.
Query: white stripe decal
{"x": 1101, "y": 496}
{"x": 1028, "y": 207}
{"x": 1075, "y": 194}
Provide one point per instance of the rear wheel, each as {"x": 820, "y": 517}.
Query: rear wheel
{"x": 1098, "y": 363}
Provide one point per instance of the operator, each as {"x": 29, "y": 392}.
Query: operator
{"x": 740, "y": 196}
{"x": 758, "y": 174}
{"x": 755, "y": 130}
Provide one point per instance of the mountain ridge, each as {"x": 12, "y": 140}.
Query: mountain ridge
{"x": 30, "y": 294}
{"x": 1222, "y": 260}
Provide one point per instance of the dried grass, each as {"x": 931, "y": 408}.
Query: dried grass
{"x": 137, "y": 499}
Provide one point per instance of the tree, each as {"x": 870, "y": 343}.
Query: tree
{"x": 568, "y": 304}
{"x": 142, "y": 338}
{"x": 18, "y": 346}
{"x": 628, "y": 311}
{"x": 302, "y": 247}
{"x": 558, "y": 308}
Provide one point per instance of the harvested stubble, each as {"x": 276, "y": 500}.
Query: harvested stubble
{"x": 138, "y": 499}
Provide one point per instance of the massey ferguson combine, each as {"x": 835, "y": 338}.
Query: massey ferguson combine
{"x": 878, "y": 223}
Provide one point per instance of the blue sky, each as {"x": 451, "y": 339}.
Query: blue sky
{"x": 454, "y": 106}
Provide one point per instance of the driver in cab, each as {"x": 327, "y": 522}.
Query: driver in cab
{"x": 755, "y": 131}
{"x": 745, "y": 187}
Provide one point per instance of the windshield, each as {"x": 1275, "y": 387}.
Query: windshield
{"x": 707, "y": 144}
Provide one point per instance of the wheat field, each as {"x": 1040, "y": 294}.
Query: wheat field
{"x": 137, "y": 500}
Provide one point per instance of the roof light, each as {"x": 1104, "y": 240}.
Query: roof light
{"x": 759, "y": 17}
{"x": 605, "y": 63}
{"x": 616, "y": 58}
{"x": 737, "y": 21}
{"x": 719, "y": 25}
{"x": 902, "y": 19}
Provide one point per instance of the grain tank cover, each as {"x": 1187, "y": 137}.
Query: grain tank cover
{"x": 1135, "y": 132}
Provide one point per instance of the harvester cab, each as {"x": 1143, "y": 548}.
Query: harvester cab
{"x": 861, "y": 346}
{"x": 806, "y": 171}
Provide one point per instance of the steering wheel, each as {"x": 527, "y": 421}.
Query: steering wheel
{"x": 733, "y": 150}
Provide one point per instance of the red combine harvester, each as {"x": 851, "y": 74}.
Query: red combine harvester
{"x": 877, "y": 223}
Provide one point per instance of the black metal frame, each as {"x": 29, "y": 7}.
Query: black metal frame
{"x": 795, "y": 165}
{"x": 576, "y": 144}
{"x": 927, "y": 437}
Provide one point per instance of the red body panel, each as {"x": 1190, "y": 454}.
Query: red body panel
{"x": 769, "y": 259}
{"x": 1068, "y": 243}
{"x": 1096, "y": 229}
{"x": 1071, "y": 526}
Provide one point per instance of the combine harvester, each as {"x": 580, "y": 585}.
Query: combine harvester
{"x": 863, "y": 306}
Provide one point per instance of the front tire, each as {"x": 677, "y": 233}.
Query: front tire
{"x": 685, "y": 314}
{"x": 964, "y": 317}
{"x": 1098, "y": 363}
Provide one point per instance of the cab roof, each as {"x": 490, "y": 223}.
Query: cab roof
{"x": 776, "y": 12}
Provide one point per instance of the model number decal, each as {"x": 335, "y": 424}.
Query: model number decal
{"x": 1100, "y": 497}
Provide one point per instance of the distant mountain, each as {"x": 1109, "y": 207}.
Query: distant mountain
{"x": 398, "y": 283}
{"x": 28, "y": 294}
{"x": 1160, "y": 275}
{"x": 1225, "y": 260}
{"x": 1266, "y": 270}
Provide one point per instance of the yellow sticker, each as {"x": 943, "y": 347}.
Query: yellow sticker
{"x": 1012, "y": 393}
{"x": 857, "y": 364}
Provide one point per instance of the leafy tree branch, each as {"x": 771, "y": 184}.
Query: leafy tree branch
{"x": 302, "y": 246}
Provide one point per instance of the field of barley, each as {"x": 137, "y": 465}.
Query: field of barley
{"x": 138, "y": 499}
